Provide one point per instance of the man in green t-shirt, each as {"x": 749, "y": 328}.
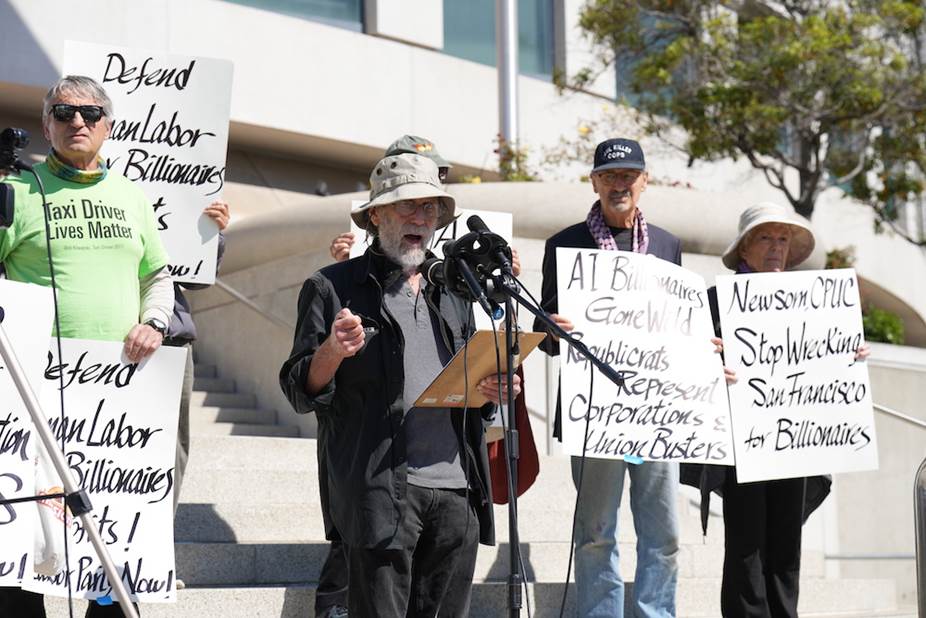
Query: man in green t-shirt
{"x": 108, "y": 258}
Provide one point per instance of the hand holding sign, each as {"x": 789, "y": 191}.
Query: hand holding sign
{"x": 218, "y": 212}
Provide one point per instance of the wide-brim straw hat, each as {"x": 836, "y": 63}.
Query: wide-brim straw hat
{"x": 405, "y": 177}
{"x": 802, "y": 240}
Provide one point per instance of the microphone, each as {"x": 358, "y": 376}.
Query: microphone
{"x": 476, "y": 224}
{"x": 497, "y": 243}
{"x": 13, "y": 140}
{"x": 432, "y": 270}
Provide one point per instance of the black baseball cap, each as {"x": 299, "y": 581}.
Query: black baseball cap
{"x": 619, "y": 153}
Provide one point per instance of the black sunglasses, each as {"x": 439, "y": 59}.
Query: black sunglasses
{"x": 65, "y": 113}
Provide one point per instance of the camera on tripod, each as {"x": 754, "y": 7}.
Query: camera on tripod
{"x": 12, "y": 141}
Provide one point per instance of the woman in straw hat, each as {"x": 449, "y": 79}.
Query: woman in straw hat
{"x": 762, "y": 520}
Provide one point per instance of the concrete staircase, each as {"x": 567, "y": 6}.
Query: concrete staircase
{"x": 250, "y": 541}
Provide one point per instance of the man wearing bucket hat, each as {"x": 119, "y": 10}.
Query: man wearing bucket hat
{"x": 407, "y": 144}
{"x": 407, "y": 488}
{"x": 331, "y": 594}
{"x": 762, "y": 520}
{"x": 615, "y": 221}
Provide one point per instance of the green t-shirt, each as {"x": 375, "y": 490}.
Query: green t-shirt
{"x": 103, "y": 241}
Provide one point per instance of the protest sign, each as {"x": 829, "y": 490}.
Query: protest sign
{"x": 801, "y": 404}
{"x": 649, "y": 319}
{"x": 26, "y": 313}
{"x": 120, "y": 430}
{"x": 169, "y": 135}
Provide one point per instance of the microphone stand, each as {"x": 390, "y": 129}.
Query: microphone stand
{"x": 488, "y": 250}
{"x": 503, "y": 284}
{"x": 75, "y": 498}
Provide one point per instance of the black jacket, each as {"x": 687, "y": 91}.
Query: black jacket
{"x": 361, "y": 432}
{"x": 662, "y": 244}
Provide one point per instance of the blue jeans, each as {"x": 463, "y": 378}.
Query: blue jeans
{"x": 653, "y": 502}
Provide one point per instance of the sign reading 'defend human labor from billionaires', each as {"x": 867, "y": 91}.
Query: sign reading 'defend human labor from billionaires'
{"x": 120, "y": 430}
{"x": 169, "y": 135}
{"x": 26, "y": 318}
{"x": 802, "y": 403}
{"x": 648, "y": 319}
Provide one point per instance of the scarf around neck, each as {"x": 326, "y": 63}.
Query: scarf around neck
{"x": 605, "y": 239}
{"x": 65, "y": 172}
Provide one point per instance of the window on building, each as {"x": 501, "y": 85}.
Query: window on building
{"x": 658, "y": 34}
{"x": 342, "y": 13}
{"x": 469, "y": 32}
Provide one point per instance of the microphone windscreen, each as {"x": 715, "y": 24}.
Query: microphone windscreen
{"x": 431, "y": 271}
{"x": 476, "y": 224}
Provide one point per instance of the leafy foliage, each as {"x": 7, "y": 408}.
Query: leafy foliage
{"x": 840, "y": 257}
{"x": 811, "y": 92}
{"x": 512, "y": 162}
{"x": 883, "y": 326}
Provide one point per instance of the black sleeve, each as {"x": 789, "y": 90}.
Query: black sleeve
{"x": 317, "y": 307}
{"x": 548, "y": 299}
{"x": 715, "y": 309}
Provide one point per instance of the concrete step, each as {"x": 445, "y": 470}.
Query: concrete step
{"x": 210, "y": 453}
{"x": 289, "y": 516}
{"x": 297, "y": 488}
{"x": 696, "y": 599}
{"x": 201, "y": 416}
{"x": 213, "y": 385}
{"x": 222, "y": 399}
{"x": 244, "y": 429}
{"x": 209, "y": 564}
{"x": 202, "y": 370}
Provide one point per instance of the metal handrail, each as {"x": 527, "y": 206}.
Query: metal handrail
{"x": 909, "y": 419}
{"x": 919, "y": 501}
{"x": 247, "y": 302}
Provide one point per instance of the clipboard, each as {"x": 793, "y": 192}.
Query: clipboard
{"x": 446, "y": 391}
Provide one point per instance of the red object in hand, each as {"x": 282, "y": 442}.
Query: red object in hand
{"x": 528, "y": 463}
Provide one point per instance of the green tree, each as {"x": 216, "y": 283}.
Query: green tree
{"x": 812, "y": 93}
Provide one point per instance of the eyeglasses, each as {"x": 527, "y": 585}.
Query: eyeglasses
{"x": 407, "y": 208}
{"x": 65, "y": 113}
{"x": 609, "y": 178}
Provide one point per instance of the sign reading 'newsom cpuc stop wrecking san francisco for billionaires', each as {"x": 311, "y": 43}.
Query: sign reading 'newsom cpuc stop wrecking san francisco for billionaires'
{"x": 802, "y": 403}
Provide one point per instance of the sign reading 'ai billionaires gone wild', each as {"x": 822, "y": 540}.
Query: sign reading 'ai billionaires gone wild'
{"x": 169, "y": 135}
{"x": 26, "y": 315}
{"x": 120, "y": 433}
{"x": 802, "y": 403}
{"x": 649, "y": 319}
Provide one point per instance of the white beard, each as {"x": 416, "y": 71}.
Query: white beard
{"x": 391, "y": 235}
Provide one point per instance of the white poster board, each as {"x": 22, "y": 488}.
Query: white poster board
{"x": 802, "y": 404}
{"x": 649, "y": 319}
{"x": 26, "y": 313}
{"x": 121, "y": 433}
{"x": 170, "y": 136}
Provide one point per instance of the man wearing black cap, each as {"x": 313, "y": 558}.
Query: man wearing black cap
{"x": 615, "y": 222}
